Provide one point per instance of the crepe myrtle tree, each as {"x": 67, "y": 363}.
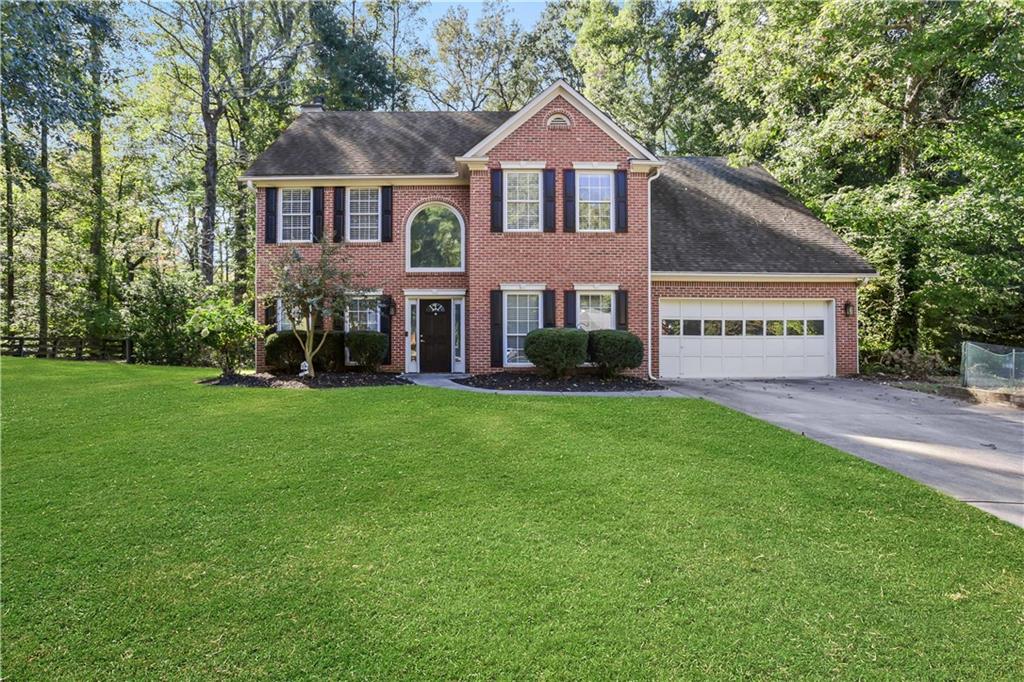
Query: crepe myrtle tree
{"x": 310, "y": 290}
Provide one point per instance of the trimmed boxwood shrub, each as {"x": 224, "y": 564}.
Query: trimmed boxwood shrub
{"x": 556, "y": 351}
{"x": 284, "y": 353}
{"x": 614, "y": 350}
{"x": 367, "y": 349}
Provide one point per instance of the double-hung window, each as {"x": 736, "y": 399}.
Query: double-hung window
{"x": 362, "y": 315}
{"x": 522, "y": 201}
{"x": 363, "y": 215}
{"x": 283, "y": 323}
{"x": 595, "y": 310}
{"x": 296, "y": 214}
{"x": 522, "y": 316}
{"x": 594, "y": 202}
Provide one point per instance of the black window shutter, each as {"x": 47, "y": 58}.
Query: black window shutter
{"x": 570, "y": 309}
{"x": 622, "y": 309}
{"x": 621, "y": 198}
{"x": 270, "y": 215}
{"x": 497, "y": 219}
{"x": 549, "y": 200}
{"x": 549, "y": 308}
{"x": 270, "y": 316}
{"x": 497, "y": 340}
{"x": 386, "y": 214}
{"x": 569, "y": 200}
{"x": 318, "y": 214}
{"x": 339, "y": 214}
{"x": 386, "y": 303}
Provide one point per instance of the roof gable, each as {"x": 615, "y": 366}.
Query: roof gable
{"x": 578, "y": 101}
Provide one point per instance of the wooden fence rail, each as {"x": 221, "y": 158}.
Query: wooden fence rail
{"x": 69, "y": 347}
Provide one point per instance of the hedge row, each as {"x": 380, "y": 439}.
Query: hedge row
{"x": 366, "y": 349}
{"x": 558, "y": 351}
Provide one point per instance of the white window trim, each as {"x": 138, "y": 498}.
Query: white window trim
{"x": 524, "y": 165}
{"x": 596, "y": 287}
{"x": 523, "y": 287}
{"x": 540, "y": 202}
{"x": 504, "y": 321}
{"x": 348, "y": 216}
{"x": 594, "y": 292}
{"x": 280, "y": 217}
{"x": 594, "y": 166}
{"x": 364, "y": 297}
{"x": 408, "y": 239}
{"x": 611, "y": 202}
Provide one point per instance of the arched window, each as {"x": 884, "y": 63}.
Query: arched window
{"x": 435, "y": 239}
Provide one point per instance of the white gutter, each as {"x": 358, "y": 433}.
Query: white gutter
{"x": 650, "y": 275}
{"x": 332, "y": 178}
{"x": 761, "y": 276}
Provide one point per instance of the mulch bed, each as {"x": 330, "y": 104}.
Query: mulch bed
{"x": 583, "y": 383}
{"x": 324, "y": 380}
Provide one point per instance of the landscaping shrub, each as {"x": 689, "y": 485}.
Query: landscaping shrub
{"x": 367, "y": 349}
{"x": 614, "y": 350}
{"x": 284, "y": 352}
{"x": 156, "y": 308}
{"x": 228, "y": 330}
{"x": 556, "y": 351}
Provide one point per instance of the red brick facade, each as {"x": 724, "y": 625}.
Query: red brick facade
{"x": 557, "y": 260}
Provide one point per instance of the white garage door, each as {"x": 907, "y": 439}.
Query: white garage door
{"x": 749, "y": 338}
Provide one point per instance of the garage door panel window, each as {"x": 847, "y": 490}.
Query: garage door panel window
{"x": 670, "y": 327}
{"x": 753, "y": 328}
{"x": 734, "y": 327}
{"x": 815, "y": 327}
{"x": 712, "y": 327}
{"x": 774, "y": 328}
{"x": 794, "y": 327}
{"x": 691, "y": 327}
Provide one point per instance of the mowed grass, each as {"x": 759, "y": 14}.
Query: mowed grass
{"x": 157, "y": 528}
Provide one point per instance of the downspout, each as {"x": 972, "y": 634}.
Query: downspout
{"x": 650, "y": 286}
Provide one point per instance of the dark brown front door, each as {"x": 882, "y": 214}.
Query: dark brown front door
{"x": 435, "y": 335}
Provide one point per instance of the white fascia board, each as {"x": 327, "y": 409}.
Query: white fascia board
{"x": 595, "y": 287}
{"x": 560, "y": 87}
{"x": 524, "y": 165}
{"x": 428, "y": 293}
{"x": 523, "y": 287}
{"x": 760, "y": 277}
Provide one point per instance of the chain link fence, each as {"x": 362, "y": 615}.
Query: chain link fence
{"x": 990, "y": 366}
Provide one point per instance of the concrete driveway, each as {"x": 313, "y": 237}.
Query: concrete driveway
{"x": 974, "y": 453}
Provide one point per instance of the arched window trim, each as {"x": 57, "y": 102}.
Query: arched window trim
{"x": 559, "y": 121}
{"x": 408, "y": 238}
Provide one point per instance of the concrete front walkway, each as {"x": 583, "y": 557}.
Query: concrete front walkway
{"x": 973, "y": 452}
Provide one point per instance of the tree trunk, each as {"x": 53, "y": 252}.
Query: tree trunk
{"x": 44, "y": 224}
{"x": 241, "y": 248}
{"x": 211, "y": 119}
{"x": 96, "y": 238}
{"x": 8, "y": 222}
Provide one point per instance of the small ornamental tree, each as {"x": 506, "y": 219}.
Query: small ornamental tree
{"x": 310, "y": 290}
{"x": 227, "y": 329}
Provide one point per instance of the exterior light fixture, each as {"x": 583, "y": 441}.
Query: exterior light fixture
{"x": 848, "y": 309}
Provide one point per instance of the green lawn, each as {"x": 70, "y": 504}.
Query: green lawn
{"x": 154, "y": 527}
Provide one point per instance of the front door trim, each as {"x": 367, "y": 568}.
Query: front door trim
{"x": 458, "y": 326}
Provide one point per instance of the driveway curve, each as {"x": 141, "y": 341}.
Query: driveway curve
{"x": 973, "y": 452}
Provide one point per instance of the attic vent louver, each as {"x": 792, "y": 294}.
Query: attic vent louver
{"x": 558, "y": 122}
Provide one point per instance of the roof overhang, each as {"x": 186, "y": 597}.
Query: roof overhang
{"x": 329, "y": 180}
{"x": 559, "y": 88}
{"x": 762, "y": 276}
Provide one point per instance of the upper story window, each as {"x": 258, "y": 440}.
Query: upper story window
{"x": 296, "y": 214}
{"x": 522, "y": 201}
{"x": 435, "y": 240}
{"x": 594, "y": 202}
{"x": 362, "y": 219}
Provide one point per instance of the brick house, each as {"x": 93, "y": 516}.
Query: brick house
{"x": 469, "y": 229}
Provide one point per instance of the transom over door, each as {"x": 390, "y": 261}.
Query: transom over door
{"x": 745, "y": 338}
{"x": 435, "y": 335}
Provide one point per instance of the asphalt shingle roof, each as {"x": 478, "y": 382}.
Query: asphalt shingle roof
{"x": 710, "y": 217}
{"x": 375, "y": 143}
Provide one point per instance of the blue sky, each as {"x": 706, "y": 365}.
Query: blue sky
{"x": 525, "y": 11}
